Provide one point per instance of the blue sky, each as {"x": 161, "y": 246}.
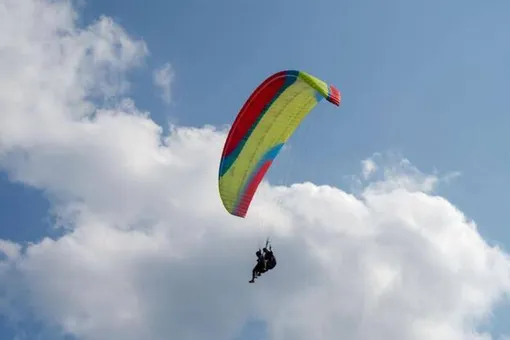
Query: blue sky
{"x": 427, "y": 80}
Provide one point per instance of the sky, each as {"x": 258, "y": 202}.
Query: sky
{"x": 387, "y": 214}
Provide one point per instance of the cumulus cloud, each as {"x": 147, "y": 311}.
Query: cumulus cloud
{"x": 148, "y": 251}
{"x": 163, "y": 78}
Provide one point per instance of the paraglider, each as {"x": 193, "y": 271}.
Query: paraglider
{"x": 262, "y": 127}
{"x": 269, "y": 258}
{"x": 267, "y": 120}
{"x": 265, "y": 262}
{"x": 259, "y": 268}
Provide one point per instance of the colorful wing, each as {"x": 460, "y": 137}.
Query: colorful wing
{"x": 266, "y": 121}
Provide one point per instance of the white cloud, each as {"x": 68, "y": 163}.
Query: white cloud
{"x": 150, "y": 253}
{"x": 369, "y": 167}
{"x": 163, "y": 78}
{"x": 9, "y": 249}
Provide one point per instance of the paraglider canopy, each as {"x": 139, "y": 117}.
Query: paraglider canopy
{"x": 266, "y": 121}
